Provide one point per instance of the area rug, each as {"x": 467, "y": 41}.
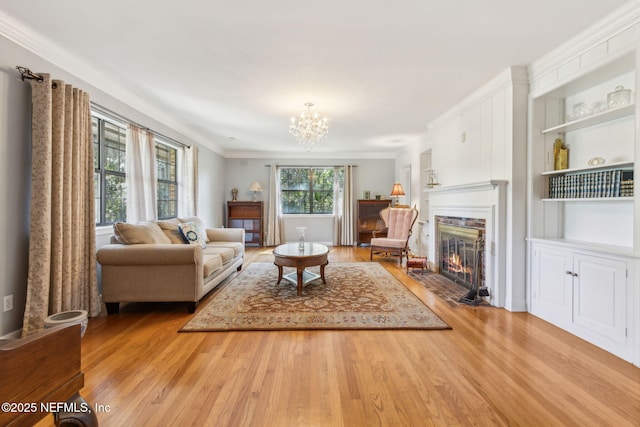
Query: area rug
{"x": 358, "y": 295}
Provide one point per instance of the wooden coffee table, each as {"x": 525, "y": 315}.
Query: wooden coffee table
{"x": 289, "y": 255}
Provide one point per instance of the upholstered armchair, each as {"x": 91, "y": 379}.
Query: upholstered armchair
{"x": 399, "y": 222}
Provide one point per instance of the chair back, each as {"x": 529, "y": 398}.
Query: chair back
{"x": 400, "y": 222}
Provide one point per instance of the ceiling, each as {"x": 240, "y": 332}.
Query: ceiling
{"x": 229, "y": 74}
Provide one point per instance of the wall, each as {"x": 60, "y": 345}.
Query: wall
{"x": 376, "y": 176}
{"x": 482, "y": 138}
{"x": 15, "y": 167}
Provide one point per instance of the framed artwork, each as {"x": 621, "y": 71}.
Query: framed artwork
{"x": 366, "y": 194}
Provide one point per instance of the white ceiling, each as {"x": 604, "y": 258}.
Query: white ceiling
{"x": 229, "y": 74}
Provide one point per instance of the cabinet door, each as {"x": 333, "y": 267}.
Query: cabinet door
{"x": 600, "y": 296}
{"x": 551, "y": 293}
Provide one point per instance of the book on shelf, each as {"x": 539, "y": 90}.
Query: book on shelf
{"x": 597, "y": 184}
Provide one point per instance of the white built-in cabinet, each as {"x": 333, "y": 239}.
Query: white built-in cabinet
{"x": 584, "y": 292}
{"x": 583, "y": 241}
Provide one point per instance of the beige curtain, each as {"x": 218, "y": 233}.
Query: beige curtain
{"x": 343, "y": 229}
{"x": 62, "y": 247}
{"x": 274, "y": 216}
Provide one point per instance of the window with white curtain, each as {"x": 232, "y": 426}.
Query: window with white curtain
{"x": 109, "y": 149}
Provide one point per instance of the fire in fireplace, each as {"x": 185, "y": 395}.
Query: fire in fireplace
{"x": 461, "y": 253}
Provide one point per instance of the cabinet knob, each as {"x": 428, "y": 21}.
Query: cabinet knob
{"x": 571, "y": 273}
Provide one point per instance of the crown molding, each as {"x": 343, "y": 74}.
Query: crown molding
{"x": 51, "y": 52}
{"x": 308, "y": 155}
{"x": 609, "y": 26}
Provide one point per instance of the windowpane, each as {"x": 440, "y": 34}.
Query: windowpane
{"x": 98, "y": 197}
{"x": 96, "y": 143}
{"x": 167, "y": 192}
{"x": 307, "y": 190}
{"x": 115, "y": 200}
{"x": 115, "y": 147}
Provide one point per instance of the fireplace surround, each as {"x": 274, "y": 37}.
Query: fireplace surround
{"x": 502, "y": 259}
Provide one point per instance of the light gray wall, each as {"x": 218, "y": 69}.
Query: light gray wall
{"x": 376, "y": 176}
{"x": 15, "y": 169}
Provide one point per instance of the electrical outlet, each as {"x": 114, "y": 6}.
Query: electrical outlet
{"x": 8, "y": 303}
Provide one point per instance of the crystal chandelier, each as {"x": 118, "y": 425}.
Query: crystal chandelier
{"x": 309, "y": 127}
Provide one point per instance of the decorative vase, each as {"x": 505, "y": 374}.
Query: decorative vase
{"x": 301, "y": 231}
{"x": 560, "y": 155}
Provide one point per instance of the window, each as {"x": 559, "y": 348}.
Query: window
{"x": 110, "y": 180}
{"x": 109, "y": 152}
{"x": 167, "y": 192}
{"x": 309, "y": 190}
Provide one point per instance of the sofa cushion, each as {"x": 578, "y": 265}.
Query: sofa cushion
{"x": 227, "y": 254}
{"x": 140, "y": 233}
{"x": 171, "y": 228}
{"x": 211, "y": 263}
{"x": 198, "y": 222}
{"x": 238, "y": 248}
{"x": 192, "y": 234}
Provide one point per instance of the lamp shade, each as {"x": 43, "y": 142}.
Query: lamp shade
{"x": 397, "y": 190}
{"x": 255, "y": 186}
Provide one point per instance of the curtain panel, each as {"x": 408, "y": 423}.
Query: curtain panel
{"x": 188, "y": 182}
{"x": 274, "y": 216}
{"x": 62, "y": 248}
{"x": 343, "y": 201}
{"x": 142, "y": 197}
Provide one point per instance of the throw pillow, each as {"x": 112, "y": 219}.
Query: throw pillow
{"x": 197, "y": 221}
{"x": 171, "y": 229}
{"x": 192, "y": 234}
{"x": 140, "y": 233}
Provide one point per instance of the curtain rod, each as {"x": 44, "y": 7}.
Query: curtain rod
{"x": 311, "y": 166}
{"x": 115, "y": 116}
{"x": 27, "y": 74}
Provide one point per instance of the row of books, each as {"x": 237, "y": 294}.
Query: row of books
{"x": 607, "y": 183}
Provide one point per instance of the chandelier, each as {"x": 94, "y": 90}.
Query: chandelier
{"x": 309, "y": 127}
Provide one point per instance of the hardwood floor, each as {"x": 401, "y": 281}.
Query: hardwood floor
{"x": 492, "y": 368}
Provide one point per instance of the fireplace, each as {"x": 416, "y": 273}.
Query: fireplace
{"x": 460, "y": 252}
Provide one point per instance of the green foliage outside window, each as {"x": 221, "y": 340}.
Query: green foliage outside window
{"x": 309, "y": 190}
{"x": 109, "y": 148}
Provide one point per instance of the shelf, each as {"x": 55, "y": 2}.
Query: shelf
{"x": 591, "y": 199}
{"x": 617, "y": 165}
{"x": 594, "y": 119}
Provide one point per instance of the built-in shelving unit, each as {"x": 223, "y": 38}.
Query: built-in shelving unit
{"x": 582, "y": 225}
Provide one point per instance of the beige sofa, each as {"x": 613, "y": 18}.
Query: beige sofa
{"x": 152, "y": 261}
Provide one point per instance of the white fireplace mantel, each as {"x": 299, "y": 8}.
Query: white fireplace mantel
{"x": 476, "y": 186}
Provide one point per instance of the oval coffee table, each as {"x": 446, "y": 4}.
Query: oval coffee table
{"x": 289, "y": 255}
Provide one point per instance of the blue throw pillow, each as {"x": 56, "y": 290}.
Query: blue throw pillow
{"x": 192, "y": 234}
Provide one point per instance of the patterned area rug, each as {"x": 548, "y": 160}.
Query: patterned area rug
{"x": 357, "y": 296}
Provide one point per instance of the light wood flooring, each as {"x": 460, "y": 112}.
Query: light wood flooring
{"x": 493, "y": 368}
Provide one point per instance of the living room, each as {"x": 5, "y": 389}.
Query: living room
{"x": 481, "y": 148}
